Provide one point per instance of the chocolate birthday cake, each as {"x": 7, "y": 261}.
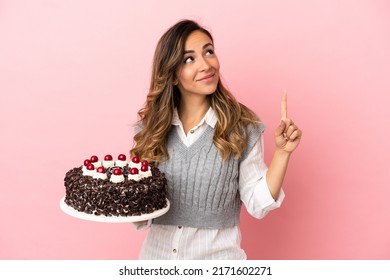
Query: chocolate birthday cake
{"x": 115, "y": 188}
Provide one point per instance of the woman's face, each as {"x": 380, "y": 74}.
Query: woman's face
{"x": 199, "y": 71}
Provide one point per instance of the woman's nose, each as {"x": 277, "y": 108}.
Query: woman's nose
{"x": 204, "y": 64}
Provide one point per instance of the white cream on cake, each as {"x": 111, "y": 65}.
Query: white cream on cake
{"x": 134, "y": 165}
{"x": 146, "y": 174}
{"x": 108, "y": 163}
{"x": 95, "y": 161}
{"x": 121, "y": 160}
{"x": 88, "y": 172}
{"x": 135, "y": 177}
{"x": 117, "y": 178}
{"x": 100, "y": 173}
{"x": 145, "y": 169}
{"x": 136, "y": 174}
{"x": 97, "y": 164}
{"x": 121, "y": 163}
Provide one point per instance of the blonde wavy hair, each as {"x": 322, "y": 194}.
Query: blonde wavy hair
{"x": 155, "y": 118}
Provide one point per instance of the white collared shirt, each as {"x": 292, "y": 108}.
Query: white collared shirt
{"x": 178, "y": 242}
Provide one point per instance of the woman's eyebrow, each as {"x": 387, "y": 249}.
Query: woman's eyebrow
{"x": 205, "y": 46}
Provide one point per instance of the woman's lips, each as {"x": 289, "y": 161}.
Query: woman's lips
{"x": 207, "y": 77}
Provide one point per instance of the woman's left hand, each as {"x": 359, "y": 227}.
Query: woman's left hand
{"x": 287, "y": 134}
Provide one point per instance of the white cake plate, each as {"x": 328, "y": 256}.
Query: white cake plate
{"x": 111, "y": 219}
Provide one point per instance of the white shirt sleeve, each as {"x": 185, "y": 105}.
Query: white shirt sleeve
{"x": 142, "y": 225}
{"x": 253, "y": 186}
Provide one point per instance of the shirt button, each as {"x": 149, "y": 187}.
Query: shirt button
{"x": 192, "y": 131}
{"x": 174, "y": 250}
{"x": 179, "y": 227}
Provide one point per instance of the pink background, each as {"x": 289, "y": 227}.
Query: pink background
{"x": 73, "y": 74}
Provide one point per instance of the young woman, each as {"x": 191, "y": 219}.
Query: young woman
{"x": 210, "y": 148}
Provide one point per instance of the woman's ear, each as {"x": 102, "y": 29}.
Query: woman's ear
{"x": 175, "y": 82}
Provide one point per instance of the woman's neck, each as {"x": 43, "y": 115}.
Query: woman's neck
{"x": 192, "y": 112}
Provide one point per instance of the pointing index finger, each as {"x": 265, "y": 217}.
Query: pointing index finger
{"x": 284, "y": 106}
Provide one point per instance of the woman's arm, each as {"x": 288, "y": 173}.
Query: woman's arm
{"x": 287, "y": 138}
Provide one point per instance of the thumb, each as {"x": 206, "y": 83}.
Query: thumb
{"x": 280, "y": 129}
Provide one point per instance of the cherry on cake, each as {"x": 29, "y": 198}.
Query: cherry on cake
{"x": 108, "y": 161}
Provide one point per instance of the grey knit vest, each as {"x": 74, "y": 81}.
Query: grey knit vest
{"x": 202, "y": 189}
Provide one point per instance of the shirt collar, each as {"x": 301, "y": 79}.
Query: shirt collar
{"x": 210, "y": 118}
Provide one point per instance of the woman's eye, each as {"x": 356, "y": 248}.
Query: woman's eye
{"x": 209, "y": 52}
{"x": 188, "y": 59}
